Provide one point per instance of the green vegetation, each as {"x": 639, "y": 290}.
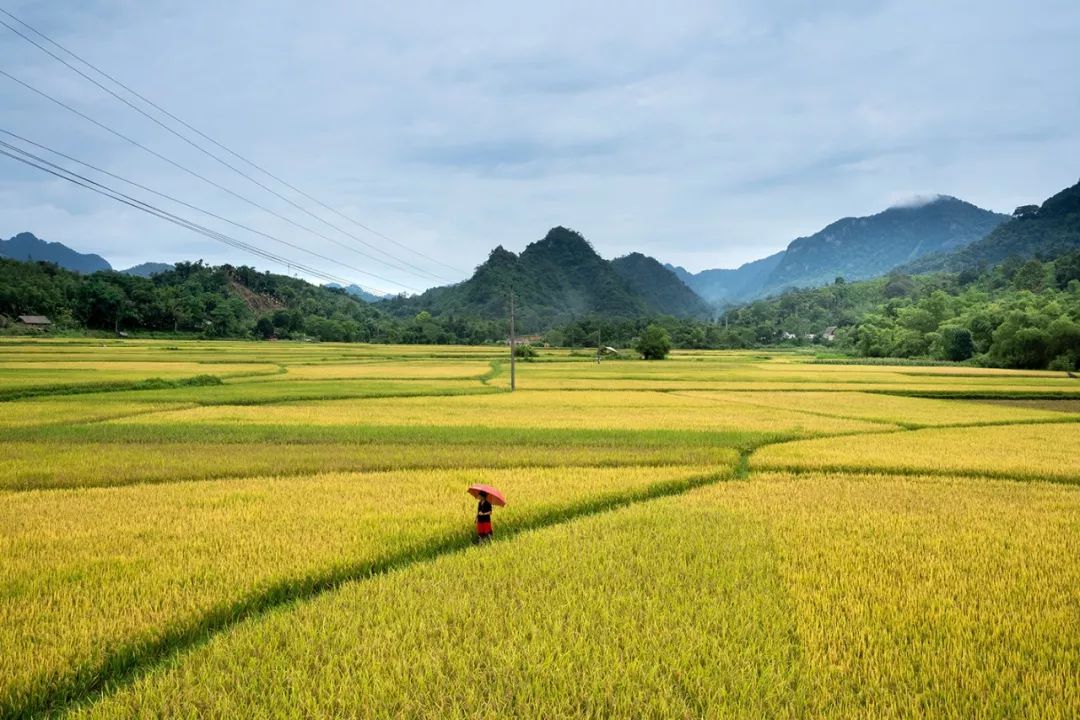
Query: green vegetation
{"x": 855, "y": 248}
{"x": 861, "y": 248}
{"x": 555, "y": 280}
{"x": 654, "y": 343}
{"x": 1036, "y": 231}
{"x": 1016, "y": 314}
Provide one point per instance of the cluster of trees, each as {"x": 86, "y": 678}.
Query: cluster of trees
{"x": 623, "y": 332}
{"x": 193, "y": 299}
{"x": 1017, "y": 314}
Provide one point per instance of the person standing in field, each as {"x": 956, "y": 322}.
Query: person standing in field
{"x": 483, "y": 518}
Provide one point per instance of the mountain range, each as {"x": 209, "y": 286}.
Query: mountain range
{"x": 1046, "y": 230}
{"x": 561, "y": 278}
{"x": 855, "y": 248}
{"x": 556, "y": 280}
{"x": 25, "y": 246}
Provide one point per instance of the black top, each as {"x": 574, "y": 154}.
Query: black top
{"x": 483, "y": 512}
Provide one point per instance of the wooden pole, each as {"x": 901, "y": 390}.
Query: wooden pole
{"x": 513, "y": 359}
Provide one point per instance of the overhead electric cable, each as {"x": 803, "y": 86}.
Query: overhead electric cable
{"x": 175, "y": 219}
{"x": 171, "y": 198}
{"x": 195, "y": 174}
{"x": 218, "y": 144}
{"x": 113, "y": 194}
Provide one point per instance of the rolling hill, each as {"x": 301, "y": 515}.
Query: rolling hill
{"x": 29, "y": 248}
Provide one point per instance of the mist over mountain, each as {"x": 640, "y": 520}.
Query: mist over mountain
{"x": 1046, "y": 230}
{"x": 29, "y": 248}
{"x": 855, "y": 248}
{"x": 727, "y": 286}
{"x": 862, "y": 248}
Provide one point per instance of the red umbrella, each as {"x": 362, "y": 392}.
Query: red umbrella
{"x": 494, "y": 495}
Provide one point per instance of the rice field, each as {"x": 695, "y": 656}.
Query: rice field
{"x": 721, "y": 534}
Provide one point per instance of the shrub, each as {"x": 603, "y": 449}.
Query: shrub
{"x": 654, "y": 343}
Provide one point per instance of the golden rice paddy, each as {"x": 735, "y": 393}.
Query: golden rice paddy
{"x": 720, "y": 534}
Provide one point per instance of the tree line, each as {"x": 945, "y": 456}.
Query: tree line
{"x": 1020, "y": 314}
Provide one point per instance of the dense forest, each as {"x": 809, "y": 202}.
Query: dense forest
{"x": 1016, "y": 314}
{"x": 214, "y": 302}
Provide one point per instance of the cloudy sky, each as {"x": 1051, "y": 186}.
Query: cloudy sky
{"x": 706, "y": 134}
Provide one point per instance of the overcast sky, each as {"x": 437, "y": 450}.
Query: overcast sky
{"x": 705, "y": 134}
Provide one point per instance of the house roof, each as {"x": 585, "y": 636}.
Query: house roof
{"x": 34, "y": 320}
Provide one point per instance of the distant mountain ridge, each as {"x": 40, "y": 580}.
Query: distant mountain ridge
{"x": 855, "y": 248}
{"x": 1046, "y": 230}
{"x": 556, "y": 280}
{"x": 724, "y": 286}
{"x": 147, "y": 269}
{"x": 357, "y": 292}
{"x": 29, "y": 248}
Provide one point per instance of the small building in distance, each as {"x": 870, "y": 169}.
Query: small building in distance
{"x": 37, "y": 322}
{"x": 525, "y": 340}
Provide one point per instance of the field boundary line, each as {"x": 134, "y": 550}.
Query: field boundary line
{"x": 129, "y": 663}
{"x": 936, "y": 473}
{"x": 817, "y": 413}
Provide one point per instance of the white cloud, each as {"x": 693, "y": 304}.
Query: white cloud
{"x": 706, "y": 134}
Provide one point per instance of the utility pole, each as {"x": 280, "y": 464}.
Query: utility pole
{"x": 598, "y": 345}
{"x": 513, "y": 359}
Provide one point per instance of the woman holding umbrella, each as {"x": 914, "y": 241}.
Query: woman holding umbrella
{"x": 486, "y": 496}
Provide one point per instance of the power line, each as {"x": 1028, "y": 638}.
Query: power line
{"x": 162, "y": 214}
{"x": 171, "y": 198}
{"x": 198, "y": 175}
{"x": 215, "y": 157}
{"x": 219, "y": 145}
{"x": 155, "y": 211}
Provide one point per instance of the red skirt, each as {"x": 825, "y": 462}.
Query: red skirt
{"x": 483, "y": 528}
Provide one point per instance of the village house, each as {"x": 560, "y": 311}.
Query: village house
{"x": 36, "y": 322}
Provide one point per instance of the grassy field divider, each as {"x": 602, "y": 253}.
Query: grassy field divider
{"x": 90, "y": 684}
{"x": 981, "y": 395}
{"x": 916, "y": 472}
{"x": 118, "y": 386}
{"x": 493, "y": 372}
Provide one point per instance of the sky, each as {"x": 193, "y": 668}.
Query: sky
{"x": 705, "y": 134}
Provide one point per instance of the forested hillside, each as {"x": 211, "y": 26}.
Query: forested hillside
{"x": 862, "y": 248}
{"x": 855, "y": 248}
{"x": 659, "y": 287}
{"x": 556, "y": 280}
{"x": 1017, "y": 314}
{"x": 1044, "y": 231}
